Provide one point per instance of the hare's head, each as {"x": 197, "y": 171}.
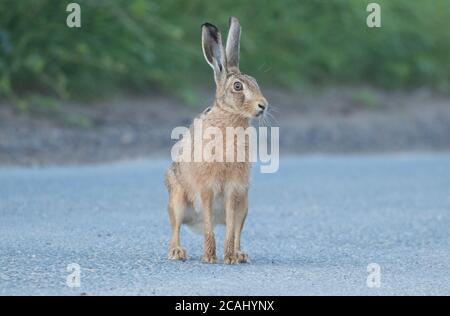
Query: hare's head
{"x": 236, "y": 92}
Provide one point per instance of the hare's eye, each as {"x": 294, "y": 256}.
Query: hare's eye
{"x": 237, "y": 86}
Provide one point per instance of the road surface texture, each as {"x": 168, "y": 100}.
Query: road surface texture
{"x": 313, "y": 228}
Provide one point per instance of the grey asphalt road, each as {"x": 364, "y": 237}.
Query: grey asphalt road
{"x": 313, "y": 228}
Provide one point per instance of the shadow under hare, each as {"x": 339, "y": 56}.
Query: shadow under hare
{"x": 203, "y": 194}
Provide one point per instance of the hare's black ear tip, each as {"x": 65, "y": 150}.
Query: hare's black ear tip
{"x": 210, "y": 26}
{"x": 212, "y": 30}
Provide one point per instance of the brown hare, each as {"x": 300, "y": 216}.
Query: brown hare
{"x": 203, "y": 194}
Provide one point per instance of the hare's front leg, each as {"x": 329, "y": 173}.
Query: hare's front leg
{"x": 176, "y": 208}
{"x": 241, "y": 214}
{"x": 235, "y": 213}
{"x": 208, "y": 228}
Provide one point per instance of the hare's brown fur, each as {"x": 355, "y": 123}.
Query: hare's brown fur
{"x": 202, "y": 194}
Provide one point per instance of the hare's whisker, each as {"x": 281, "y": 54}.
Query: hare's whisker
{"x": 273, "y": 118}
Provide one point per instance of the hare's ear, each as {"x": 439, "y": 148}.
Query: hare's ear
{"x": 233, "y": 42}
{"x": 213, "y": 51}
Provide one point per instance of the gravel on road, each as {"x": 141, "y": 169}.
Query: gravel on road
{"x": 313, "y": 228}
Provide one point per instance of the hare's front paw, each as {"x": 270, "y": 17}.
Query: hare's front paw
{"x": 237, "y": 257}
{"x": 241, "y": 257}
{"x": 177, "y": 253}
{"x": 230, "y": 259}
{"x": 209, "y": 259}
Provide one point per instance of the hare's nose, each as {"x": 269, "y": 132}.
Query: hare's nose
{"x": 262, "y": 106}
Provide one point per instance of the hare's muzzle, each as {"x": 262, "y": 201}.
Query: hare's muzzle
{"x": 262, "y": 106}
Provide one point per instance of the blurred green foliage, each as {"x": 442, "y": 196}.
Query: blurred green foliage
{"x": 143, "y": 45}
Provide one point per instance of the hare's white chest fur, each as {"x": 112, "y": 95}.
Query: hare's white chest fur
{"x": 193, "y": 216}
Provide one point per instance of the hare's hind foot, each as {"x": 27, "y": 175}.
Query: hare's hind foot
{"x": 177, "y": 253}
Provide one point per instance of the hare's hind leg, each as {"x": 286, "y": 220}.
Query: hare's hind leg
{"x": 176, "y": 208}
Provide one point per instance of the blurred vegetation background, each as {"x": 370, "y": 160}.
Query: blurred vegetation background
{"x": 145, "y": 45}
